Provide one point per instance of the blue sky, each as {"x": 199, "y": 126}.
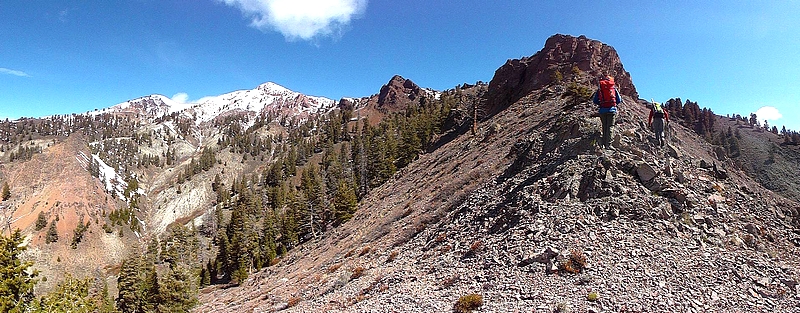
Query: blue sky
{"x": 69, "y": 56}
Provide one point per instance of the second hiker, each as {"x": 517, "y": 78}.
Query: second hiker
{"x": 607, "y": 97}
{"x": 656, "y": 121}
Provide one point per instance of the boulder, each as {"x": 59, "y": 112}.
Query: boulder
{"x": 646, "y": 172}
{"x": 674, "y": 152}
{"x": 720, "y": 173}
{"x": 545, "y": 257}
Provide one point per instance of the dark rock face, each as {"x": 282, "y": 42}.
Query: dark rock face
{"x": 396, "y": 95}
{"x": 562, "y": 53}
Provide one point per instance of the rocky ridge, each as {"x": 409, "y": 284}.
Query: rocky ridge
{"x": 501, "y": 213}
{"x": 575, "y": 59}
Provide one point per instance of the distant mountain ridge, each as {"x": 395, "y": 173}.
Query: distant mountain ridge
{"x": 266, "y": 98}
{"x": 408, "y": 199}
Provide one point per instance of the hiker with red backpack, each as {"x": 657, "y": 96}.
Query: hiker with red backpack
{"x": 656, "y": 121}
{"x": 607, "y": 97}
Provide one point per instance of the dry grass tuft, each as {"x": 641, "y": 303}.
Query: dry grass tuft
{"x": 468, "y": 303}
{"x": 293, "y": 301}
{"x": 476, "y": 246}
{"x": 350, "y": 253}
{"x": 576, "y": 262}
{"x": 357, "y": 272}
{"x": 332, "y": 269}
{"x": 392, "y": 256}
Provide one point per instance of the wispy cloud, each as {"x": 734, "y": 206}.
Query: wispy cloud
{"x": 13, "y": 72}
{"x": 300, "y": 19}
{"x": 183, "y": 98}
{"x": 768, "y": 113}
{"x": 180, "y": 97}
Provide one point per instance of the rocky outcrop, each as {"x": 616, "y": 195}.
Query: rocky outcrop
{"x": 577, "y": 59}
{"x": 397, "y": 94}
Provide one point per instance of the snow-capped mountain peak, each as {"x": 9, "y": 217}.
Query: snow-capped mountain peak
{"x": 267, "y": 97}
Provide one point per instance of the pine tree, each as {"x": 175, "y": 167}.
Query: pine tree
{"x": 78, "y": 233}
{"x": 150, "y": 289}
{"x": 345, "y": 203}
{"x": 177, "y": 291}
{"x": 16, "y": 279}
{"x": 71, "y": 295}
{"x": 270, "y": 233}
{"x": 313, "y": 212}
{"x": 41, "y": 221}
{"x": 130, "y": 299}
{"x": 52, "y": 233}
{"x": 6, "y": 193}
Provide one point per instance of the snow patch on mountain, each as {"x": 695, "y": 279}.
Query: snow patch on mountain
{"x": 113, "y": 182}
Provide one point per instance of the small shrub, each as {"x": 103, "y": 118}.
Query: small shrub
{"x": 441, "y": 237}
{"x": 350, "y": 253}
{"x": 332, "y": 269}
{"x": 468, "y": 303}
{"x": 359, "y": 298}
{"x": 576, "y": 262}
{"x": 557, "y": 77}
{"x": 578, "y": 93}
{"x": 293, "y": 301}
{"x": 576, "y": 70}
{"x": 593, "y": 296}
{"x": 392, "y": 256}
{"x": 476, "y": 246}
{"x": 357, "y": 272}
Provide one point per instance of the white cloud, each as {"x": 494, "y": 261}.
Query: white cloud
{"x": 768, "y": 113}
{"x": 180, "y": 97}
{"x": 13, "y": 72}
{"x": 300, "y": 19}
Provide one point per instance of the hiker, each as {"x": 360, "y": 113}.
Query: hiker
{"x": 607, "y": 97}
{"x": 656, "y": 121}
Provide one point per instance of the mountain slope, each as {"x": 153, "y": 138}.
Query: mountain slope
{"x": 499, "y": 213}
{"x": 74, "y": 172}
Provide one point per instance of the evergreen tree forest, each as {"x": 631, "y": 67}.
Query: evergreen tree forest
{"x": 317, "y": 175}
{"x": 727, "y": 138}
{"x": 310, "y": 175}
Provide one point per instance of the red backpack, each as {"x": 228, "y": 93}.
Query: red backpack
{"x": 607, "y": 94}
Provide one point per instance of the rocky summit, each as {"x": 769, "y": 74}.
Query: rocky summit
{"x": 529, "y": 215}
{"x": 486, "y": 197}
